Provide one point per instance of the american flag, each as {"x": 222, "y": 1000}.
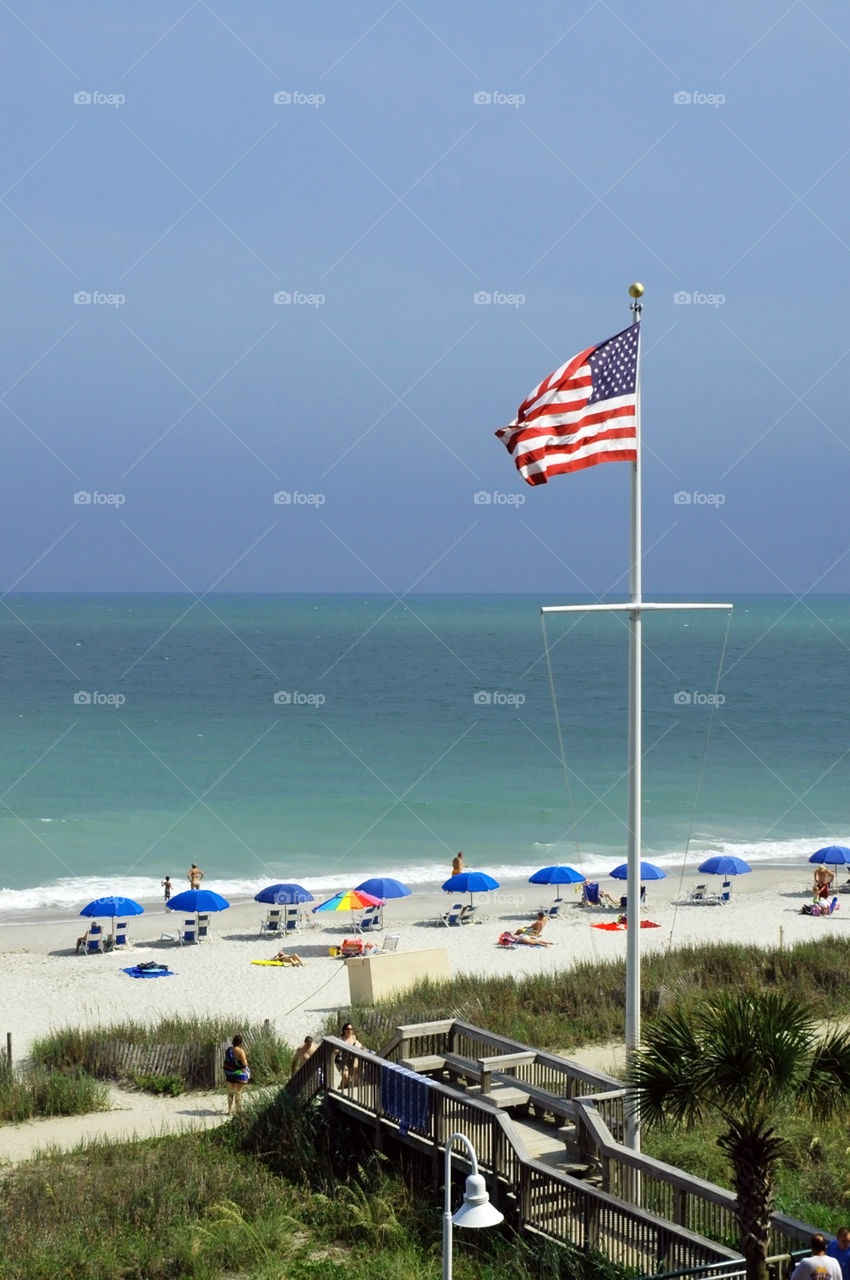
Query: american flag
{"x": 582, "y": 414}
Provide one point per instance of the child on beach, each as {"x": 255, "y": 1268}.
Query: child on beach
{"x": 166, "y": 887}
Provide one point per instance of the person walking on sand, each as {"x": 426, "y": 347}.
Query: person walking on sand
{"x": 818, "y": 1266}
{"x": 237, "y": 1073}
{"x": 457, "y": 864}
{"x": 166, "y": 887}
{"x": 194, "y": 875}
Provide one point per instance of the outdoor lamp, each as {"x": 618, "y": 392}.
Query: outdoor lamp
{"x": 476, "y": 1210}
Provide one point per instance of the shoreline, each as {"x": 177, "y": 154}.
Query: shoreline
{"x": 47, "y": 986}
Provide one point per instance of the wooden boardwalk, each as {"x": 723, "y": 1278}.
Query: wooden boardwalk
{"x": 548, "y": 1137}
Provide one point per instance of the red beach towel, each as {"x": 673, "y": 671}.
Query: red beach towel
{"x": 614, "y": 926}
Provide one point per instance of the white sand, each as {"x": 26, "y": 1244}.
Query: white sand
{"x": 45, "y": 985}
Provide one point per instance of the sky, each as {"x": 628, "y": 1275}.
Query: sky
{"x": 322, "y": 252}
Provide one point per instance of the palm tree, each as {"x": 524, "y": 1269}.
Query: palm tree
{"x": 740, "y": 1058}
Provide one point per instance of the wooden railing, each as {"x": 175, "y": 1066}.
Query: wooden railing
{"x": 542, "y": 1198}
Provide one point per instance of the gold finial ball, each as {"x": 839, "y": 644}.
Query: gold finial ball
{"x": 635, "y": 290}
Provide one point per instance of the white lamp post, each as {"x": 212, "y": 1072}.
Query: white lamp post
{"x": 476, "y": 1210}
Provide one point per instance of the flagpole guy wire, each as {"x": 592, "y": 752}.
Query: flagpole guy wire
{"x": 635, "y": 607}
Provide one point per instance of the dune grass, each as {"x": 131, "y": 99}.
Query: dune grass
{"x": 586, "y": 1004}
{"x": 36, "y": 1093}
{"x": 212, "y": 1206}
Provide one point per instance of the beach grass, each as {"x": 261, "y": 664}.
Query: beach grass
{"x": 38, "y": 1093}
{"x": 76, "y": 1048}
{"x": 209, "y": 1207}
{"x": 586, "y": 1004}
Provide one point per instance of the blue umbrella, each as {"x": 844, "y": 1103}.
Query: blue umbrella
{"x": 283, "y": 894}
{"x": 198, "y": 901}
{"x": 648, "y": 871}
{"x": 384, "y": 887}
{"x": 725, "y": 865}
{"x": 837, "y": 854}
{"x": 556, "y": 875}
{"x": 112, "y": 906}
{"x": 470, "y": 882}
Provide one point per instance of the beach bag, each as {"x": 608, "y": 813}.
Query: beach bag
{"x": 809, "y": 909}
{"x": 352, "y": 946}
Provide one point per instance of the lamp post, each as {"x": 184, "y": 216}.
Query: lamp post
{"x": 476, "y": 1210}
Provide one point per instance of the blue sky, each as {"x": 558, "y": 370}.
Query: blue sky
{"x": 419, "y": 154}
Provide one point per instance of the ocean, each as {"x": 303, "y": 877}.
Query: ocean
{"x": 327, "y": 738}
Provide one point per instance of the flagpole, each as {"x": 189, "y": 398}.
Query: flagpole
{"x": 633, "y": 851}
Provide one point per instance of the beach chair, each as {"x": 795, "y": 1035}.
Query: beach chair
{"x": 370, "y": 921}
{"x": 590, "y": 894}
{"x": 271, "y": 924}
{"x": 726, "y": 894}
{"x": 701, "y": 894}
{"x": 624, "y": 901}
{"x": 388, "y": 943}
{"x": 94, "y": 941}
{"x": 291, "y": 919}
{"x": 554, "y": 911}
{"x": 189, "y": 933}
{"x": 453, "y": 916}
{"x": 203, "y": 928}
{"x": 120, "y": 936}
{"x": 467, "y": 915}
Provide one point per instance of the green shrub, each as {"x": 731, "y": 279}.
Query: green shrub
{"x": 172, "y": 1086}
{"x": 36, "y": 1094}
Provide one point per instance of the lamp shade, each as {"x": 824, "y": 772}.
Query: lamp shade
{"x": 477, "y": 1209}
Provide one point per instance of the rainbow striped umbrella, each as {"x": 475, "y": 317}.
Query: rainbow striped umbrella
{"x": 349, "y": 900}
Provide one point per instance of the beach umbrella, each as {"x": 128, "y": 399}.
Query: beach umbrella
{"x": 283, "y": 895}
{"x": 197, "y": 902}
{"x": 836, "y": 854}
{"x": 556, "y": 875}
{"x": 470, "y": 882}
{"x": 113, "y": 906}
{"x": 384, "y": 887}
{"x": 349, "y": 900}
{"x": 725, "y": 865}
{"x": 648, "y": 871}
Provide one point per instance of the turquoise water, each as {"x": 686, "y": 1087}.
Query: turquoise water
{"x": 386, "y": 758}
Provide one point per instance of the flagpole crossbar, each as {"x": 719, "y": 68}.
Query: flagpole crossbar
{"x": 643, "y": 606}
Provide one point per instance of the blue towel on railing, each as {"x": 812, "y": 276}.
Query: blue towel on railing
{"x": 405, "y": 1095}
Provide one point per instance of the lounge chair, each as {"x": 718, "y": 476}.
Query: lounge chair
{"x": 467, "y": 915}
{"x": 453, "y": 916}
{"x": 590, "y": 894}
{"x": 203, "y": 928}
{"x": 554, "y": 912}
{"x": 93, "y": 944}
{"x": 189, "y": 932}
{"x": 389, "y": 942}
{"x": 701, "y": 894}
{"x": 624, "y": 901}
{"x": 291, "y": 919}
{"x": 271, "y": 924}
{"x": 370, "y": 921}
{"x": 119, "y": 938}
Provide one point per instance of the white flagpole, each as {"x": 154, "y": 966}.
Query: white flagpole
{"x": 633, "y": 851}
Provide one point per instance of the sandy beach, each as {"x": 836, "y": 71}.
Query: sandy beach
{"x": 46, "y": 985}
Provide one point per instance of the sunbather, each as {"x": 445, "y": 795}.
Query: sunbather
{"x": 532, "y": 936}
{"x": 284, "y": 957}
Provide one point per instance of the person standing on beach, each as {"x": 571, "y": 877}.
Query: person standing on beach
{"x": 166, "y": 887}
{"x": 236, "y": 1072}
{"x": 839, "y": 1249}
{"x": 194, "y": 875}
{"x": 818, "y": 1266}
{"x": 457, "y": 864}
